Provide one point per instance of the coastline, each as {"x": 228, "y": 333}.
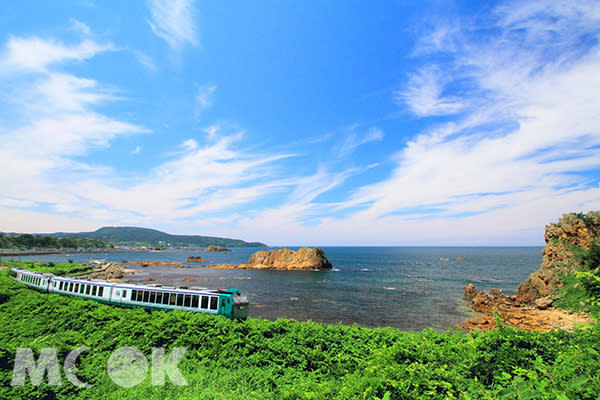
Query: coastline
{"x": 42, "y": 252}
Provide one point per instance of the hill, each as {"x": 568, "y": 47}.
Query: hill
{"x": 132, "y": 236}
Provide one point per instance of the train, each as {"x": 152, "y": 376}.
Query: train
{"x": 231, "y": 303}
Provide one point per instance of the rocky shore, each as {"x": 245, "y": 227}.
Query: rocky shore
{"x": 304, "y": 259}
{"x": 510, "y": 311}
{"x": 533, "y": 306}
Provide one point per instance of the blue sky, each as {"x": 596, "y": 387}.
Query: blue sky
{"x": 301, "y": 123}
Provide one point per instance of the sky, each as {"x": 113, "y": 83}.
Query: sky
{"x": 301, "y": 123}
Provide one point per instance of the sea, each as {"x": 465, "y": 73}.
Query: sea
{"x": 410, "y": 288}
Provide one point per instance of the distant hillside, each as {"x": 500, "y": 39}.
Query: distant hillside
{"x": 132, "y": 236}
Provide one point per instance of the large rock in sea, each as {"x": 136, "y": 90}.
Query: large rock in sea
{"x": 573, "y": 232}
{"x": 285, "y": 259}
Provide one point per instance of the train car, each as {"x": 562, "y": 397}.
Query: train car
{"x": 231, "y": 303}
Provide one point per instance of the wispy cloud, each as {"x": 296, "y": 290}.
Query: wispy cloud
{"x": 54, "y": 119}
{"x": 425, "y": 96}
{"x": 80, "y": 27}
{"x": 528, "y": 126}
{"x": 354, "y": 140}
{"x": 204, "y": 98}
{"x": 146, "y": 61}
{"x": 173, "y": 21}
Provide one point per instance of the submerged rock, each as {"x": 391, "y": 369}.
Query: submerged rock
{"x": 195, "y": 259}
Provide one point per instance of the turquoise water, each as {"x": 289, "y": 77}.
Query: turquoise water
{"x": 410, "y": 288}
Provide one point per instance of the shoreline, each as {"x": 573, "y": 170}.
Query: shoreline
{"x": 494, "y": 307}
{"x": 8, "y": 253}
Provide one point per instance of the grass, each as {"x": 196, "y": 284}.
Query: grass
{"x": 286, "y": 359}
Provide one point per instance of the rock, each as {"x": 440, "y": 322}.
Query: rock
{"x": 158, "y": 264}
{"x": 107, "y": 272}
{"x": 470, "y": 292}
{"x": 216, "y": 248}
{"x": 284, "y": 259}
{"x": 543, "y": 303}
{"x": 195, "y": 259}
{"x": 572, "y": 230}
{"x": 495, "y": 292}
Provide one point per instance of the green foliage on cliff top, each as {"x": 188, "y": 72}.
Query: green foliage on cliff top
{"x": 285, "y": 359}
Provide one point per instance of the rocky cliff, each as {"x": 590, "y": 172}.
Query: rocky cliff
{"x": 565, "y": 241}
{"x": 285, "y": 259}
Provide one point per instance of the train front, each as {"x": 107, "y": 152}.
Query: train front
{"x": 241, "y": 306}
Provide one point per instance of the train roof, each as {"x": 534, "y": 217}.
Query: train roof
{"x": 132, "y": 285}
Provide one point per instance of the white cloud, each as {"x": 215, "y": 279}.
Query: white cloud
{"x": 204, "y": 98}
{"x": 146, "y": 61}
{"x": 54, "y": 121}
{"x": 353, "y": 140}
{"x": 36, "y": 54}
{"x": 137, "y": 150}
{"x": 529, "y": 128}
{"x": 425, "y": 97}
{"x": 80, "y": 27}
{"x": 173, "y": 21}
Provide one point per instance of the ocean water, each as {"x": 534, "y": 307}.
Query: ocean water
{"x": 410, "y": 288}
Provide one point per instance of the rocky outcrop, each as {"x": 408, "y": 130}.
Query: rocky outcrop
{"x": 195, "y": 259}
{"x": 571, "y": 233}
{"x": 284, "y": 259}
{"x": 107, "y": 272}
{"x": 216, "y": 248}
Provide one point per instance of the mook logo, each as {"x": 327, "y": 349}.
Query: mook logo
{"x": 126, "y": 367}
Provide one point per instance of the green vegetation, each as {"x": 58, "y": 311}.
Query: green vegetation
{"x": 131, "y": 236}
{"x": 28, "y": 241}
{"x": 285, "y": 359}
{"x": 581, "y": 290}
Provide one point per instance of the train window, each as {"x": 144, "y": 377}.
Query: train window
{"x": 152, "y": 297}
{"x": 204, "y": 303}
{"x": 187, "y": 300}
{"x": 140, "y": 295}
{"x": 124, "y": 293}
{"x": 179, "y": 299}
{"x": 100, "y": 291}
{"x": 134, "y": 295}
{"x": 60, "y": 285}
{"x": 195, "y": 301}
{"x": 222, "y": 302}
{"x": 146, "y": 296}
{"x": 81, "y": 288}
{"x": 76, "y": 288}
{"x": 87, "y": 289}
{"x": 172, "y": 300}
{"x": 94, "y": 288}
{"x": 159, "y": 296}
{"x": 214, "y": 302}
{"x": 165, "y": 299}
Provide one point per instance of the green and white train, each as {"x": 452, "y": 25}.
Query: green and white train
{"x": 231, "y": 303}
